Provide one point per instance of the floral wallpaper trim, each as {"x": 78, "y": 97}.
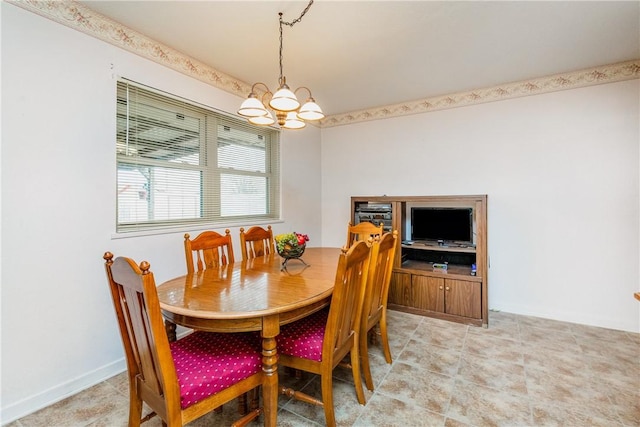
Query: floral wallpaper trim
{"x": 593, "y": 76}
{"x": 81, "y": 18}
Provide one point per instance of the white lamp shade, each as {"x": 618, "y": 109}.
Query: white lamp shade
{"x": 284, "y": 100}
{"x": 265, "y": 120}
{"x": 252, "y": 107}
{"x": 310, "y": 111}
{"x": 293, "y": 122}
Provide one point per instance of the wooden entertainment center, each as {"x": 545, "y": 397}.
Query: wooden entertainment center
{"x": 457, "y": 294}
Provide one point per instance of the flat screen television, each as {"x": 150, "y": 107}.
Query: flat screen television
{"x": 447, "y": 224}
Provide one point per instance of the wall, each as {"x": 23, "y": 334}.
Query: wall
{"x": 561, "y": 174}
{"x": 59, "y": 333}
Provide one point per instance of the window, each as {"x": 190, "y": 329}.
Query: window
{"x": 182, "y": 164}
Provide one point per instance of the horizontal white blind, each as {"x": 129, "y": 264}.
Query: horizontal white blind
{"x": 182, "y": 164}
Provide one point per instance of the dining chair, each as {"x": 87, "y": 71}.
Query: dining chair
{"x": 318, "y": 343}
{"x": 363, "y": 231}
{"x": 256, "y": 242}
{"x": 374, "y": 310}
{"x": 187, "y": 378}
{"x": 211, "y": 250}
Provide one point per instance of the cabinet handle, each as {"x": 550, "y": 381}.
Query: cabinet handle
{"x": 447, "y": 288}
{"x": 440, "y": 287}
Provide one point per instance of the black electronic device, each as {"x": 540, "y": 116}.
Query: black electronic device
{"x": 440, "y": 224}
{"x": 374, "y": 213}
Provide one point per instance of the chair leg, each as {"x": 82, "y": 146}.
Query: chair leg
{"x": 327, "y": 399}
{"x": 242, "y": 404}
{"x": 385, "y": 336}
{"x": 373, "y": 336}
{"x": 364, "y": 356}
{"x": 355, "y": 369}
{"x": 254, "y": 402}
{"x": 135, "y": 410}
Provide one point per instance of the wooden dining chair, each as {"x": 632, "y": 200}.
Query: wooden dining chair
{"x": 374, "y": 310}
{"x": 211, "y": 250}
{"x": 319, "y": 342}
{"x": 185, "y": 379}
{"x": 256, "y": 242}
{"x": 363, "y": 231}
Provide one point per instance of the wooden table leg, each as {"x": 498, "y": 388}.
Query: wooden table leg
{"x": 270, "y": 329}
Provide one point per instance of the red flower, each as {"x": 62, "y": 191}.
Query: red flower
{"x": 302, "y": 238}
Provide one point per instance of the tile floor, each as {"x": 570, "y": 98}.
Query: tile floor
{"x": 521, "y": 371}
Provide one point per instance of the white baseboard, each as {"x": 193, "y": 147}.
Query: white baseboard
{"x": 55, "y": 394}
{"x": 593, "y": 319}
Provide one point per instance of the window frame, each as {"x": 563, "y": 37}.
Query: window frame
{"x": 211, "y": 173}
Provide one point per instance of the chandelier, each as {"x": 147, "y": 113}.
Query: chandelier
{"x": 285, "y": 105}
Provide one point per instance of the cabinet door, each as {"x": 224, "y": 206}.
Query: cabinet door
{"x": 400, "y": 289}
{"x": 463, "y": 298}
{"x": 428, "y": 293}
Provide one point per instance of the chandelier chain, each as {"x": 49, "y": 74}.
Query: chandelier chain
{"x": 299, "y": 18}
{"x": 288, "y": 110}
{"x": 290, "y": 24}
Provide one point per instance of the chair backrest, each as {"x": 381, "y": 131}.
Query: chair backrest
{"x": 363, "y": 231}
{"x": 256, "y": 242}
{"x": 150, "y": 365}
{"x": 379, "y": 278}
{"x": 211, "y": 249}
{"x": 343, "y": 322}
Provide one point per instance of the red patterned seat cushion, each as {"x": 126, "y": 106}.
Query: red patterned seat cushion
{"x": 207, "y": 363}
{"x": 303, "y": 338}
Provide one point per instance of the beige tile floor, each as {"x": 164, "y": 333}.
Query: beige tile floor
{"x": 521, "y": 371}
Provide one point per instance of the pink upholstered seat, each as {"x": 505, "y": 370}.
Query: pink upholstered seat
{"x": 304, "y": 337}
{"x": 207, "y": 363}
{"x": 185, "y": 379}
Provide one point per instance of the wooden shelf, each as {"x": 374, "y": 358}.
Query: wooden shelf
{"x": 452, "y": 270}
{"x": 415, "y": 287}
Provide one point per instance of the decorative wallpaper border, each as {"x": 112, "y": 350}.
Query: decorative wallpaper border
{"x": 81, "y": 18}
{"x": 85, "y": 20}
{"x": 593, "y": 76}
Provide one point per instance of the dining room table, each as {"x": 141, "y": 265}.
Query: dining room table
{"x": 258, "y": 294}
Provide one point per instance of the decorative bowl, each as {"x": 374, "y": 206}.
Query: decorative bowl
{"x": 291, "y": 246}
{"x": 291, "y": 252}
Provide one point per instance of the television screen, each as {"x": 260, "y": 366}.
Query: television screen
{"x": 451, "y": 224}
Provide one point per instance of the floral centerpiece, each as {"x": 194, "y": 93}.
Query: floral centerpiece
{"x": 291, "y": 246}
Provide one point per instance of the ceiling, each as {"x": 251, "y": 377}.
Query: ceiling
{"x": 355, "y": 55}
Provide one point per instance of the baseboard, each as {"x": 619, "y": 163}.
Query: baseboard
{"x": 55, "y": 394}
{"x": 593, "y": 319}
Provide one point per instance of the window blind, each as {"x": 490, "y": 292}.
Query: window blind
{"x": 180, "y": 164}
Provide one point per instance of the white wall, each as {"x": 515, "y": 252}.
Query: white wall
{"x": 59, "y": 332}
{"x": 561, "y": 174}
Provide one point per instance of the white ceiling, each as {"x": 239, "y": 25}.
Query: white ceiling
{"x": 355, "y": 55}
